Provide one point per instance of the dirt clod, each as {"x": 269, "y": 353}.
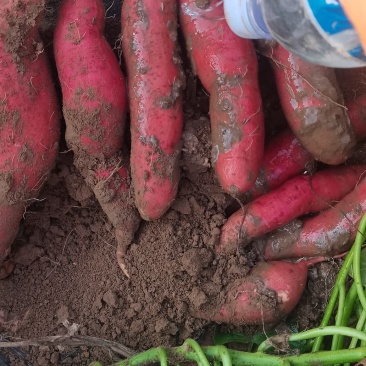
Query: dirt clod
{"x": 27, "y": 254}
{"x": 111, "y": 299}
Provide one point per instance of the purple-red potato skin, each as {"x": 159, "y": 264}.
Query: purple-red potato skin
{"x": 296, "y": 197}
{"x": 267, "y": 295}
{"x": 95, "y": 108}
{"x": 329, "y": 233}
{"x": 313, "y": 106}
{"x": 357, "y": 115}
{"x": 155, "y": 81}
{"x": 29, "y": 115}
{"x": 353, "y": 85}
{"x": 284, "y": 157}
{"x": 227, "y": 67}
{"x": 93, "y": 85}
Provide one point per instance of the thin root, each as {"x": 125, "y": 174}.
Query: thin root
{"x": 120, "y": 254}
{"x": 72, "y": 341}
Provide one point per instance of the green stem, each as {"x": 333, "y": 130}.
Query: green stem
{"x": 339, "y": 316}
{"x": 316, "y": 332}
{"x": 198, "y": 349}
{"x": 149, "y": 356}
{"x": 360, "y": 325}
{"x": 330, "y": 330}
{"x": 214, "y": 354}
{"x": 247, "y": 358}
{"x": 360, "y": 238}
{"x": 222, "y": 353}
{"x": 341, "y": 279}
{"x": 348, "y": 308}
{"x": 363, "y": 343}
{"x": 350, "y": 301}
{"x": 328, "y": 357}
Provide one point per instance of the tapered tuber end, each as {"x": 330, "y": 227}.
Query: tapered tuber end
{"x": 120, "y": 254}
{"x": 124, "y": 239}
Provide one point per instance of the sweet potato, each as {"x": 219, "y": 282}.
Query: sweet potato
{"x": 94, "y": 107}
{"x": 93, "y": 86}
{"x": 29, "y": 114}
{"x": 284, "y": 157}
{"x": 227, "y": 67}
{"x": 357, "y": 116}
{"x": 267, "y": 295}
{"x": 156, "y": 81}
{"x": 353, "y": 85}
{"x": 330, "y": 232}
{"x": 298, "y": 196}
{"x": 312, "y": 103}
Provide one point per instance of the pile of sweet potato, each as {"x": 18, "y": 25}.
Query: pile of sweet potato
{"x": 286, "y": 211}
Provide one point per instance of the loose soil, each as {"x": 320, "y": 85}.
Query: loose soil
{"x": 66, "y": 271}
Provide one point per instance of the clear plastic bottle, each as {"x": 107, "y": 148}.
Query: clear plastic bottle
{"x": 316, "y": 30}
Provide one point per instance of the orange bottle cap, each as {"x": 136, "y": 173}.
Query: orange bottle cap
{"x": 356, "y": 12}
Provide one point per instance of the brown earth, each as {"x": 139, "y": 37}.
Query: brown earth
{"x": 66, "y": 269}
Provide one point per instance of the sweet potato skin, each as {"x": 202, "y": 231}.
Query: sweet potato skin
{"x": 357, "y": 116}
{"x": 329, "y": 233}
{"x": 95, "y": 107}
{"x": 281, "y": 284}
{"x": 110, "y": 180}
{"x": 284, "y": 157}
{"x": 298, "y": 196}
{"x": 93, "y": 85}
{"x": 353, "y": 85}
{"x": 156, "y": 81}
{"x": 312, "y": 103}
{"x": 29, "y": 115}
{"x": 227, "y": 67}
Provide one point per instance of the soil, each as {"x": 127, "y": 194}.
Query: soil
{"x": 66, "y": 277}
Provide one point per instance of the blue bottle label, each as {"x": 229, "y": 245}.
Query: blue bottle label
{"x": 333, "y": 23}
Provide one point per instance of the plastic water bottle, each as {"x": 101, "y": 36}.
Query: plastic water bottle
{"x": 316, "y": 30}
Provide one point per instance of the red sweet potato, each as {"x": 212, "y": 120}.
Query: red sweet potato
{"x": 267, "y": 295}
{"x": 93, "y": 86}
{"x": 227, "y": 67}
{"x": 353, "y": 85}
{"x": 330, "y": 232}
{"x": 29, "y": 114}
{"x": 111, "y": 185}
{"x": 312, "y": 103}
{"x": 156, "y": 81}
{"x": 357, "y": 116}
{"x": 298, "y": 196}
{"x": 284, "y": 157}
{"x": 94, "y": 107}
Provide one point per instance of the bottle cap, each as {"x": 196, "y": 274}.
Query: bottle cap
{"x": 356, "y": 12}
{"x": 245, "y": 18}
